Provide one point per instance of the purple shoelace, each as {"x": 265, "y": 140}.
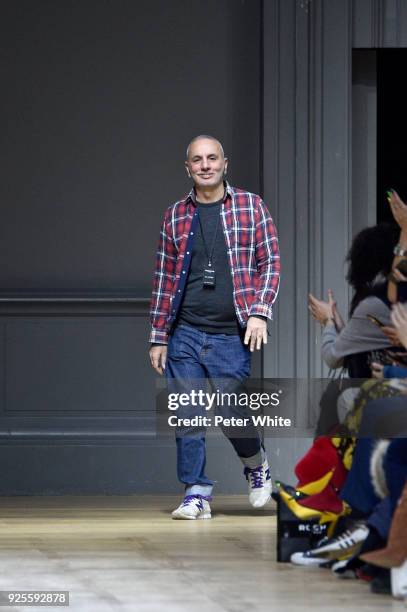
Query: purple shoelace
{"x": 188, "y": 499}
{"x": 256, "y": 476}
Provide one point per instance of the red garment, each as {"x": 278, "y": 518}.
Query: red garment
{"x": 320, "y": 459}
{"x": 254, "y": 259}
{"x": 327, "y": 500}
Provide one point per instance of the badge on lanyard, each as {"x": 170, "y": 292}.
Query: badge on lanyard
{"x": 209, "y": 274}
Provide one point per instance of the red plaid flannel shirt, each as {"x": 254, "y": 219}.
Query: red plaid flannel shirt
{"x": 252, "y": 248}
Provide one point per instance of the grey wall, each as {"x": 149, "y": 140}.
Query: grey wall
{"x": 306, "y": 166}
{"x": 100, "y": 99}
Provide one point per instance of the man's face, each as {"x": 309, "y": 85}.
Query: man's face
{"x": 206, "y": 164}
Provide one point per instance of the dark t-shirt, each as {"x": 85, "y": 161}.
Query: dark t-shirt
{"x": 209, "y": 309}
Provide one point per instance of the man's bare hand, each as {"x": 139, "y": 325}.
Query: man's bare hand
{"x": 256, "y": 333}
{"x": 158, "y": 357}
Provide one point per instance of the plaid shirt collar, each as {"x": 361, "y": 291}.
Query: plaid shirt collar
{"x": 191, "y": 197}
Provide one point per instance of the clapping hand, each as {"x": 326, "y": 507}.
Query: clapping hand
{"x": 398, "y": 209}
{"x": 391, "y": 335}
{"x": 399, "y": 320}
{"x": 320, "y": 310}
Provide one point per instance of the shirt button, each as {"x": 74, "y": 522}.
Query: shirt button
{"x": 179, "y": 290}
{"x": 183, "y": 271}
{"x": 187, "y": 252}
{"x": 192, "y": 233}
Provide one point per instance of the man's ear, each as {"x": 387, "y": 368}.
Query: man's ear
{"x": 225, "y": 171}
{"x": 187, "y": 169}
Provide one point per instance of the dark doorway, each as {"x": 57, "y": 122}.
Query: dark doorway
{"x": 391, "y": 128}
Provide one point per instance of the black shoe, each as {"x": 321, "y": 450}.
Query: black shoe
{"x": 381, "y": 584}
{"x": 367, "y": 572}
{"x": 344, "y": 569}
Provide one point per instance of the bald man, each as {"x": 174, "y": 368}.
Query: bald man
{"x": 216, "y": 278}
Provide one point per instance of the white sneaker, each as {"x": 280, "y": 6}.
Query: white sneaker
{"x": 399, "y": 581}
{"x": 306, "y": 558}
{"x": 259, "y": 484}
{"x": 345, "y": 545}
{"x": 192, "y": 508}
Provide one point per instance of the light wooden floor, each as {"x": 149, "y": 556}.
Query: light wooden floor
{"x": 125, "y": 553}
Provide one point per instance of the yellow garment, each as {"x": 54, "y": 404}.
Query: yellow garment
{"x": 311, "y": 488}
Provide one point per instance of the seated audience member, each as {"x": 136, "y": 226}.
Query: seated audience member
{"x": 349, "y": 345}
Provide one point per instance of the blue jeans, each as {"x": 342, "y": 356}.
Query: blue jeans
{"x": 195, "y": 356}
{"x": 358, "y": 489}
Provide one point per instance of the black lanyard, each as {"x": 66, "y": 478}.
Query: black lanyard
{"x": 209, "y": 256}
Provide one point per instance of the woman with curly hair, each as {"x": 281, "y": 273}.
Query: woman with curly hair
{"x": 369, "y": 263}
